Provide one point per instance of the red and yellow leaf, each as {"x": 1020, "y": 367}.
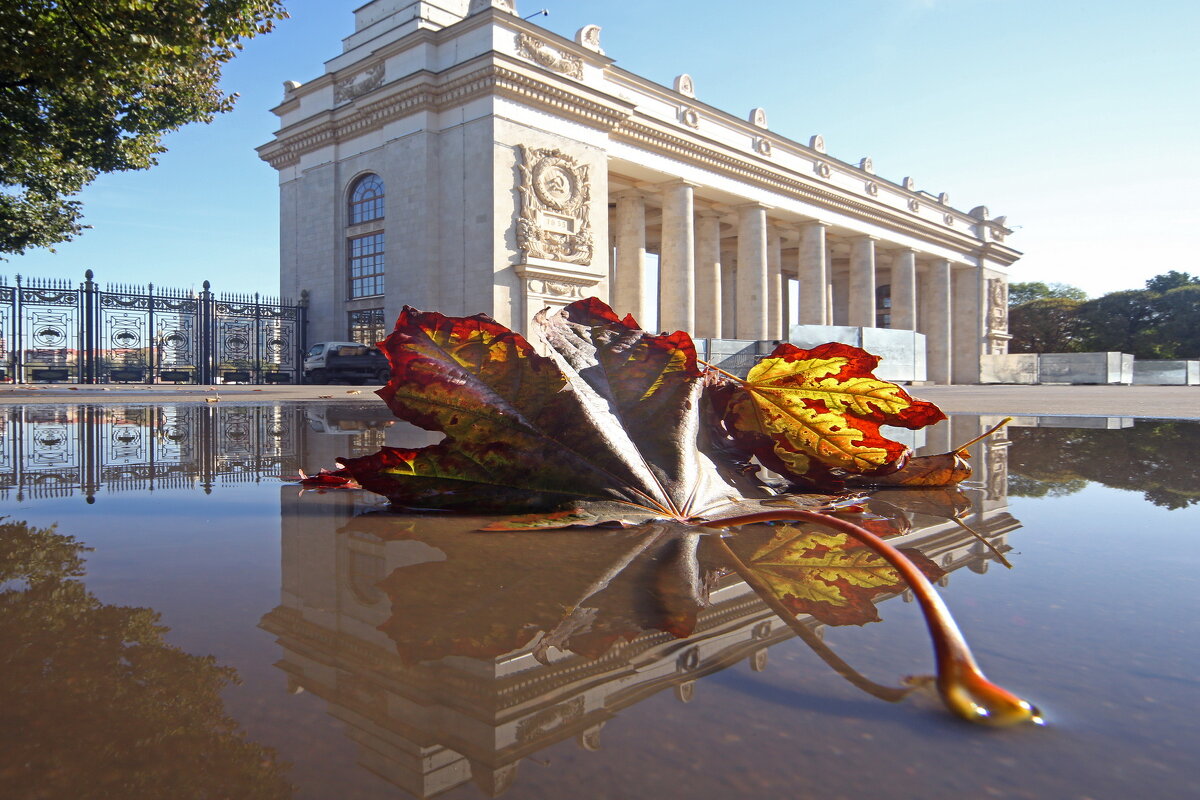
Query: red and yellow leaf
{"x": 610, "y": 416}
{"x": 814, "y": 415}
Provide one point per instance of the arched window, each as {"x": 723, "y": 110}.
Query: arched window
{"x": 366, "y": 199}
{"x": 365, "y": 248}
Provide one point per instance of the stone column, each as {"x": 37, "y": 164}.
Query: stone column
{"x": 708, "y": 275}
{"x": 774, "y": 283}
{"x": 752, "y": 272}
{"x": 677, "y": 263}
{"x": 937, "y": 341}
{"x": 862, "y": 281}
{"x": 904, "y": 290}
{"x": 729, "y": 295}
{"x": 813, "y": 275}
{"x": 629, "y": 286}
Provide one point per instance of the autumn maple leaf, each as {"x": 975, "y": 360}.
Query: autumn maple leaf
{"x": 610, "y": 417}
{"x": 814, "y": 415}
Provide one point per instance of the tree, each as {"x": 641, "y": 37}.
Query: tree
{"x": 1125, "y": 322}
{"x": 1179, "y": 325}
{"x": 1048, "y": 325}
{"x": 1021, "y": 293}
{"x": 90, "y": 87}
{"x": 1167, "y": 281}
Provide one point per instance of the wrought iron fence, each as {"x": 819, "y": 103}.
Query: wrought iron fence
{"x": 52, "y": 330}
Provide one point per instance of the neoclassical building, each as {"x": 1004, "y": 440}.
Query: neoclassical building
{"x": 456, "y": 157}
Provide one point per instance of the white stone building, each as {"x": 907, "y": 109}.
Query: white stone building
{"x": 457, "y": 158}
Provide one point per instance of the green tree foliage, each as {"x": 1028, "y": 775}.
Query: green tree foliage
{"x": 1160, "y": 321}
{"x": 1179, "y": 321}
{"x": 1125, "y": 322}
{"x": 1021, "y": 293}
{"x": 95, "y": 704}
{"x": 90, "y": 87}
{"x": 1171, "y": 280}
{"x": 1049, "y": 325}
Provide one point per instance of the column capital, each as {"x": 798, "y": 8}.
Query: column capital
{"x": 671, "y": 184}
{"x": 752, "y": 206}
{"x": 635, "y": 192}
{"x": 708, "y": 213}
{"x": 860, "y": 237}
{"x": 810, "y": 223}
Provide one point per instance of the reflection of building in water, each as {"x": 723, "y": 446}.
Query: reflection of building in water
{"x": 59, "y": 451}
{"x": 430, "y": 726}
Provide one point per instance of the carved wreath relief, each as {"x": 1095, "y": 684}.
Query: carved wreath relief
{"x": 554, "y": 207}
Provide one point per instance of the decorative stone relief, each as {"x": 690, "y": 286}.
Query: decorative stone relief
{"x": 944, "y": 199}
{"x": 684, "y": 85}
{"x": 817, "y": 143}
{"x": 872, "y": 188}
{"x": 914, "y": 204}
{"x": 689, "y": 116}
{"x": 589, "y": 36}
{"x": 867, "y": 165}
{"x": 557, "y": 290}
{"x": 822, "y": 169}
{"x": 948, "y": 219}
{"x": 762, "y": 145}
{"x": 758, "y": 116}
{"x": 909, "y": 184}
{"x": 289, "y": 87}
{"x": 997, "y": 309}
{"x": 555, "y": 195}
{"x": 549, "y": 57}
{"x": 359, "y": 84}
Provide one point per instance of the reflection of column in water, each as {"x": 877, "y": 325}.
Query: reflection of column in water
{"x": 937, "y": 439}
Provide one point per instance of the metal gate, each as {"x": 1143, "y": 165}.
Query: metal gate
{"x": 53, "y": 331}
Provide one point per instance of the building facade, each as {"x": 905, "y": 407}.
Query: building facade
{"x": 457, "y": 158}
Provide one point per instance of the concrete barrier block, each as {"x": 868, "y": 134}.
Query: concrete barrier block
{"x": 1098, "y": 368}
{"x": 1019, "y": 368}
{"x": 1162, "y": 372}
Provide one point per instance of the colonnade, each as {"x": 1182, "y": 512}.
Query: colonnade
{"x": 724, "y": 273}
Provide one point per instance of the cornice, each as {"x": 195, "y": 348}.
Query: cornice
{"x": 523, "y": 82}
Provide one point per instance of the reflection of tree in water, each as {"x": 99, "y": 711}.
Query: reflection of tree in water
{"x": 1154, "y": 458}
{"x": 93, "y": 701}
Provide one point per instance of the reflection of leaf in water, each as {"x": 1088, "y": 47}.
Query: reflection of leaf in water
{"x": 493, "y": 594}
{"x": 95, "y": 703}
{"x": 827, "y": 574}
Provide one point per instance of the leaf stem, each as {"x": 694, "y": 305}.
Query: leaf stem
{"x": 983, "y": 435}
{"x": 715, "y": 368}
{"x": 960, "y": 682}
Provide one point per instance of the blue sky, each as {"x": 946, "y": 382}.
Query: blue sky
{"x": 1077, "y": 120}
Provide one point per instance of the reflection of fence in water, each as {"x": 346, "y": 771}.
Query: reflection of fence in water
{"x": 58, "y": 451}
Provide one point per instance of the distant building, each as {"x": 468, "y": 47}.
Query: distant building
{"x": 457, "y": 158}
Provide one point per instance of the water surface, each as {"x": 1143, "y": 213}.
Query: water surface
{"x": 228, "y": 634}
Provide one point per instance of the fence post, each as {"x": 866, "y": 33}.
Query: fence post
{"x": 258, "y": 335}
{"x": 18, "y": 349}
{"x": 302, "y": 338}
{"x": 207, "y": 334}
{"x": 88, "y": 333}
{"x": 151, "y": 337}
